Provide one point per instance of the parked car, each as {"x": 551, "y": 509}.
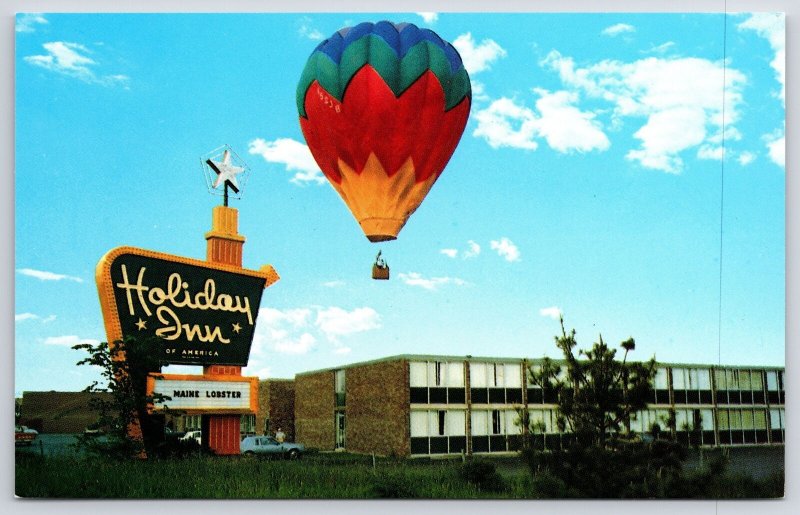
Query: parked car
{"x": 268, "y": 446}
{"x": 24, "y": 435}
{"x": 197, "y": 436}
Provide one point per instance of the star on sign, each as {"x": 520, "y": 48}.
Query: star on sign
{"x": 237, "y": 328}
{"x": 226, "y": 172}
{"x": 141, "y": 324}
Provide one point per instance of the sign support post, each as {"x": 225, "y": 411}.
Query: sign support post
{"x": 224, "y": 245}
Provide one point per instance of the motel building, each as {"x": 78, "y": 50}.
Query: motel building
{"x": 421, "y": 405}
{"x": 416, "y": 405}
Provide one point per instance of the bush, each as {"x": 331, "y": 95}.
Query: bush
{"x": 547, "y": 486}
{"x": 393, "y": 487}
{"x": 482, "y": 474}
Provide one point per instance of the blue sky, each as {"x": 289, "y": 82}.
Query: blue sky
{"x": 588, "y": 182}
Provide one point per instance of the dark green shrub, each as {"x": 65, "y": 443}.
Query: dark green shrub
{"x": 482, "y": 474}
{"x": 547, "y": 486}
{"x": 393, "y": 487}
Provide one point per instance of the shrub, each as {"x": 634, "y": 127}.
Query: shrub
{"x": 482, "y": 474}
{"x": 547, "y": 486}
{"x": 393, "y": 487}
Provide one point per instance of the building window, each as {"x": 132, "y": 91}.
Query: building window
{"x": 437, "y": 373}
{"x": 339, "y": 387}
{"x": 247, "y": 424}
{"x": 455, "y": 374}
{"x": 419, "y": 423}
{"x": 497, "y": 426}
{"x": 477, "y": 375}
{"x": 513, "y": 375}
{"x": 497, "y": 379}
{"x": 772, "y": 381}
{"x": 479, "y": 423}
{"x": 441, "y": 419}
{"x": 417, "y": 374}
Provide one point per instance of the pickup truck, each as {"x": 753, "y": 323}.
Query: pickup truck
{"x": 24, "y": 435}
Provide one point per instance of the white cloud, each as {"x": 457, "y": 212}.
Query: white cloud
{"x": 335, "y": 322}
{"x": 745, "y": 158}
{"x": 282, "y": 331}
{"x": 295, "y": 156}
{"x": 712, "y": 152}
{"x": 26, "y": 22}
{"x": 261, "y": 372}
{"x": 506, "y": 124}
{"x": 776, "y": 147}
{"x": 772, "y": 27}
{"x": 69, "y": 59}
{"x": 306, "y": 30}
{"x": 47, "y": 276}
{"x": 679, "y": 114}
{"x": 21, "y": 317}
{"x": 473, "y": 250}
{"x": 298, "y": 330}
{"x": 619, "y": 28}
{"x": 68, "y": 340}
{"x": 334, "y": 284}
{"x": 564, "y": 126}
{"x": 428, "y": 17}
{"x": 477, "y": 58}
{"x": 451, "y": 253}
{"x": 416, "y": 279}
{"x": 506, "y": 249}
{"x": 300, "y": 345}
{"x": 553, "y": 312}
{"x": 342, "y": 350}
{"x": 660, "y": 49}
{"x": 479, "y": 91}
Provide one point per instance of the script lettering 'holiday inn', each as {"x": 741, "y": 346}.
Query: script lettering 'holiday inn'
{"x": 205, "y": 313}
{"x": 178, "y": 295}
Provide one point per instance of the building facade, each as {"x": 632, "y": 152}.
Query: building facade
{"x": 415, "y": 405}
{"x": 275, "y": 408}
{"x": 60, "y": 412}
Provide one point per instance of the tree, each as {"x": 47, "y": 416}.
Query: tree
{"x": 598, "y": 394}
{"x": 124, "y": 414}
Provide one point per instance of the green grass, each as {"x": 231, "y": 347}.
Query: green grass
{"x": 316, "y": 476}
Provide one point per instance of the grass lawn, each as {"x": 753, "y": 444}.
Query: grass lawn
{"x": 316, "y": 476}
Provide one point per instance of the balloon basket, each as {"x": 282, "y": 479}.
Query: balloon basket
{"x": 380, "y": 273}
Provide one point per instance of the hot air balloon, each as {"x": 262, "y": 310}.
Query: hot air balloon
{"x": 382, "y": 107}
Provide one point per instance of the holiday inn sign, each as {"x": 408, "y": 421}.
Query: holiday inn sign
{"x": 204, "y": 312}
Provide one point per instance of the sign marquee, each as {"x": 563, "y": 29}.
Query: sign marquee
{"x": 205, "y": 312}
{"x": 205, "y": 393}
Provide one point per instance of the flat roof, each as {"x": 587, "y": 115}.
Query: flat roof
{"x": 495, "y": 359}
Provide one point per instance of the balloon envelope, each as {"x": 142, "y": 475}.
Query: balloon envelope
{"x": 382, "y": 107}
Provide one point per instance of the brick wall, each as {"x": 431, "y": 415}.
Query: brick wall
{"x": 377, "y": 408}
{"x": 59, "y": 412}
{"x": 314, "y": 400}
{"x": 276, "y": 403}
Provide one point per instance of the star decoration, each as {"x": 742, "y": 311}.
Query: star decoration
{"x": 141, "y": 324}
{"x": 237, "y": 328}
{"x": 226, "y": 172}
